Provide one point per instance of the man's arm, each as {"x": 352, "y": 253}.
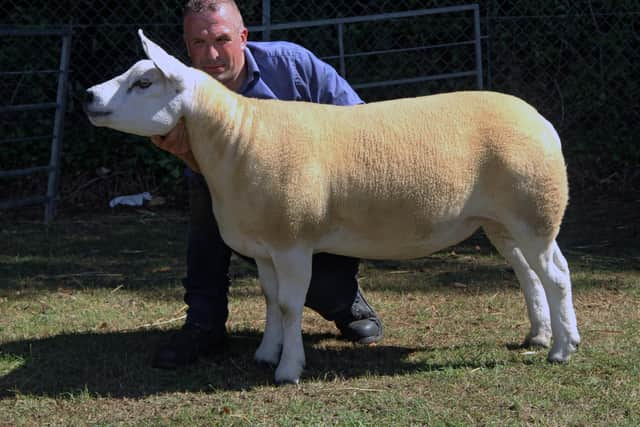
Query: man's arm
{"x": 176, "y": 142}
{"x": 322, "y": 83}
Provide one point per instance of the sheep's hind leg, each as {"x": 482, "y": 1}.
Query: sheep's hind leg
{"x": 534, "y": 295}
{"x": 268, "y": 351}
{"x": 546, "y": 259}
{"x": 293, "y": 269}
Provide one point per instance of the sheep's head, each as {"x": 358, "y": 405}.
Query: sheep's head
{"x": 148, "y": 99}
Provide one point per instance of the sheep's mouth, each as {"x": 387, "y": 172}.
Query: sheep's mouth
{"x": 93, "y": 113}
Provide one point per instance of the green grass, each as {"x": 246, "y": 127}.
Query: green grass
{"x": 84, "y": 302}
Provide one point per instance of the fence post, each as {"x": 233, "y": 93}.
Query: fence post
{"x": 478, "y": 45}
{"x": 58, "y": 129}
{"x": 266, "y": 20}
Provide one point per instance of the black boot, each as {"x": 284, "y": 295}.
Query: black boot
{"x": 187, "y": 345}
{"x": 360, "y": 323}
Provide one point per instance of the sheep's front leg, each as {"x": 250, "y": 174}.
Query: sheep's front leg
{"x": 293, "y": 269}
{"x": 269, "y": 349}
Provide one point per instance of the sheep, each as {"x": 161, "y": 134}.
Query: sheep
{"x": 396, "y": 179}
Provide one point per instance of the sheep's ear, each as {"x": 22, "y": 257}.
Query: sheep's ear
{"x": 172, "y": 68}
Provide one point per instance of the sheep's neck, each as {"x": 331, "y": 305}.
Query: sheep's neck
{"x": 219, "y": 123}
{"x": 216, "y": 122}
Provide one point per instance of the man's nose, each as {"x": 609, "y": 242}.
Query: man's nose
{"x": 212, "y": 52}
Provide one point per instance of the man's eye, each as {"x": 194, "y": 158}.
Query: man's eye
{"x": 142, "y": 83}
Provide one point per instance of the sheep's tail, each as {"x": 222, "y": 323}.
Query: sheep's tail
{"x": 553, "y": 131}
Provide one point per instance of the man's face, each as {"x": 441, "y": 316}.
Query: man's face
{"x": 215, "y": 42}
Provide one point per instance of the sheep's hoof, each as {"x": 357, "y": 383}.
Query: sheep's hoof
{"x": 289, "y": 373}
{"x": 561, "y": 353}
{"x": 558, "y": 359}
{"x": 287, "y": 382}
{"x": 536, "y": 342}
{"x": 539, "y": 337}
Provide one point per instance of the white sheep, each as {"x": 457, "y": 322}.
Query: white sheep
{"x": 390, "y": 180}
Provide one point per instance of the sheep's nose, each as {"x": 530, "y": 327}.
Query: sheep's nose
{"x": 88, "y": 97}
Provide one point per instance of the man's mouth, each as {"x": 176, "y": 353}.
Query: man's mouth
{"x": 214, "y": 69}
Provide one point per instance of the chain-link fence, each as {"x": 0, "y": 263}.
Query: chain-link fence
{"x": 578, "y": 62}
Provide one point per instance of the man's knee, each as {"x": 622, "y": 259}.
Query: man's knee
{"x": 333, "y": 286}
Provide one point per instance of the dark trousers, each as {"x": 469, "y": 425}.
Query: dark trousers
{"x": 332, "y": 290}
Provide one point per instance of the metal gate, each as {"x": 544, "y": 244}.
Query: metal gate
{"x": 340, "y": 24}
{"x": 59, "y": 106}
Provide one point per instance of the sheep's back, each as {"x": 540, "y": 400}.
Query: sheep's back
{"x": 407, "y": 165}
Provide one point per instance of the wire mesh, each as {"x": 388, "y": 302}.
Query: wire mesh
{"x": 578, "y": 62}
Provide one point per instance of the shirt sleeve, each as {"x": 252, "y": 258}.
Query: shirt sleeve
{"x": 319, "y": 82}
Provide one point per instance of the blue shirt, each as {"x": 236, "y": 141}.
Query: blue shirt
{"x": 287, "y": 71}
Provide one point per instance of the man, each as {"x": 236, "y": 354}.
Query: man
{"x": 216, "y": 41}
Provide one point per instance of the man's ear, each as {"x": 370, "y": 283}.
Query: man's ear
{"x": 244, "y": 35}
{"x": 171, "y": 67}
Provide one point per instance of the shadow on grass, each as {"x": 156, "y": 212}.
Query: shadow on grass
{"x": 118, "y": 365}
{"x": 147, "y": 253}
{"x": 473, "y": 264}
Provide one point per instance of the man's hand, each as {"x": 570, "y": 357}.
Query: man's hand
{"x": 176, "y": 142}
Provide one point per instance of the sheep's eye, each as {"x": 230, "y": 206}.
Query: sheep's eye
{"x": 142, "y": 83}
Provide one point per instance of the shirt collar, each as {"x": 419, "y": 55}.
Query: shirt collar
{"x": 253, "y": 72}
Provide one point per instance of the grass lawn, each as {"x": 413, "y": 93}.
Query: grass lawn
{"x": 85, "y": 302}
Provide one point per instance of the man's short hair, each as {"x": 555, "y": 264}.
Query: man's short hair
{"x": 197, "y": 6}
